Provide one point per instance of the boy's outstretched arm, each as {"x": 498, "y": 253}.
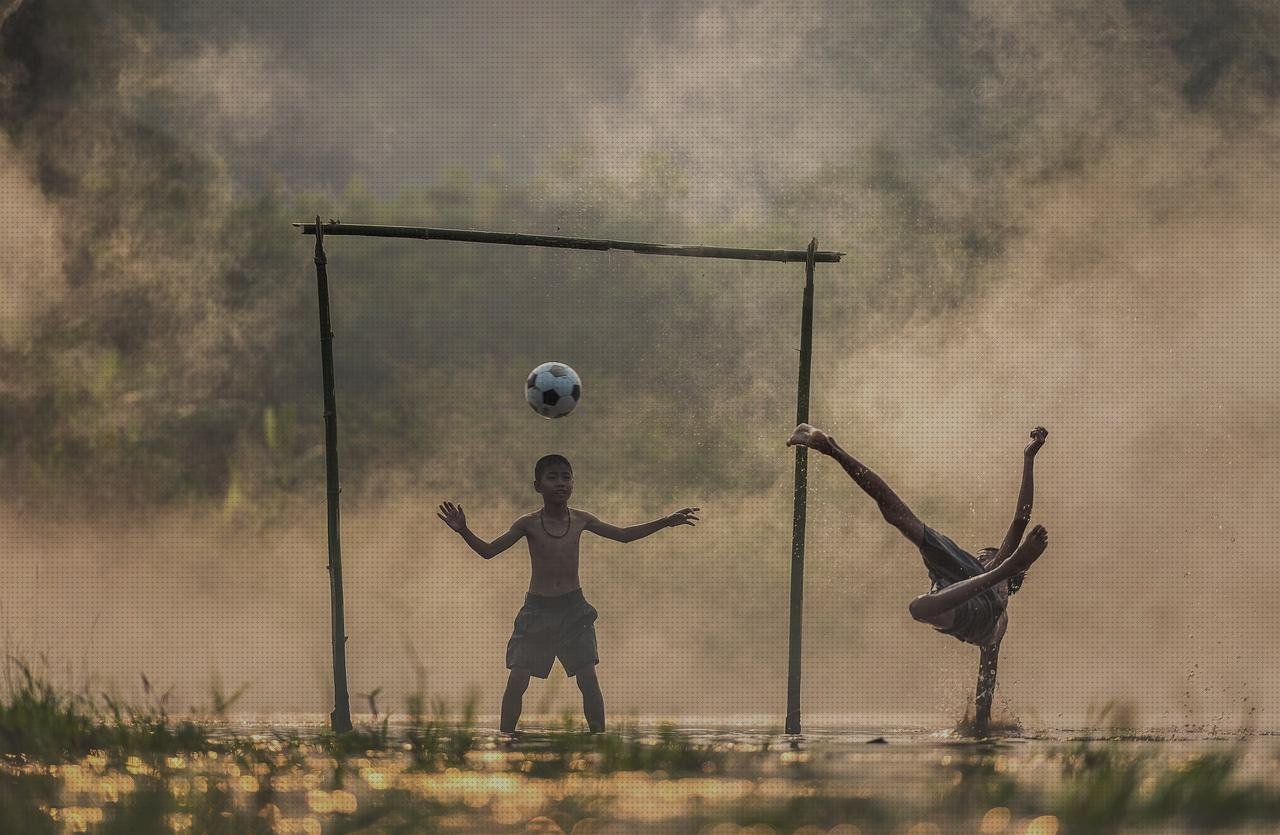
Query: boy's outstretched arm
{"x": 687, "y": 516}
{"x": 452, "y": 515}
{"x": 1026, "y": 496}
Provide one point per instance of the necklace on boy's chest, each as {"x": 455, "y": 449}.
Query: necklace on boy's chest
{"x": 542, "y": 520}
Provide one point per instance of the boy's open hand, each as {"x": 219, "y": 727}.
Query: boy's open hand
{"x": 451, "y": 514}
{"x": 683, "y": 517}
{"x": 1037, "y": 440}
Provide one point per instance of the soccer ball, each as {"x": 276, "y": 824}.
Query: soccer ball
{"x": 553, "y": 389}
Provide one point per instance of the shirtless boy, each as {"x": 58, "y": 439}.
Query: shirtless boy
{"x": 970, "y": 595}
{"x": 556, "y": 621}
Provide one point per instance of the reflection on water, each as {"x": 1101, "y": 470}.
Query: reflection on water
{"x": 653, "y": 778}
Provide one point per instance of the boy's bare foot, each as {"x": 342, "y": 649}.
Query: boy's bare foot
{"x": 1030, "y": 549}
{"x": 808, "y": 436}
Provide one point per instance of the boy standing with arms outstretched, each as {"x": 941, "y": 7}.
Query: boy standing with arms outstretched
{"x": 556, "y": 620}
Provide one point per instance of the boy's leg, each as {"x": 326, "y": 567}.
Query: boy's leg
{"x": 513, "y": 699}
{"x": 893, "y": 509}
{"x": 592, "y": 698}
{"x": 986, "y": 688}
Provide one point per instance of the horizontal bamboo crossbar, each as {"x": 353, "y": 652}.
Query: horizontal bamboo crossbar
{"x": 598, "y": 244}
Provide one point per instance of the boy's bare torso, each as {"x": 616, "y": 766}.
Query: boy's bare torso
{"x": 553, "y": 550}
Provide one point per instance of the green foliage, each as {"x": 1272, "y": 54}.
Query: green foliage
{"x": 356, "y": 741}
{"x": 976, "y": 783}
{"x": 1100, "y": 791}
{"x": 437, "y": 742}
{"x": 1205, "y": 792}
{"x": 572, "y": 747}
{"x": 183, "y": 368}
{"x": 207, "y": 807}
{"x": 40, "y": 721}
{"x": 21, "y": 798}
{"x": 130, "y": 768}
{"x": 151, "y": 731}
{"x": 396, "y": 811}
{"x": 669, "y": 752}
{"x": 814, "y": 809}
{"x": 1116, "y": 786}
{"x": 130, "y": 405}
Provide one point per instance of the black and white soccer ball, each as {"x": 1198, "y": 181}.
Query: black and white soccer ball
{"x": 553, "y": 389}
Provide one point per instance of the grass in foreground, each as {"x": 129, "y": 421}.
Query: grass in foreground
{"x": 74, "y": 763}
{"x": 41, "y": 722}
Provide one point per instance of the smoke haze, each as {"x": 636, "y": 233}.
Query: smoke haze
{"x": 1054, "y": 213}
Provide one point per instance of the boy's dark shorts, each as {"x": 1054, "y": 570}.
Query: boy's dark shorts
{"x": 948, "y": 563}
{"x": 547, "y": 628}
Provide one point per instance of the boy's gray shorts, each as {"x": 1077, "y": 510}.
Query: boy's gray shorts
{"x": 548, "y": 628}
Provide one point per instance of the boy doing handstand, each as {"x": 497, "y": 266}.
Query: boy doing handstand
{"x": 970, "y": 596}
{"x": 556, "y": 620}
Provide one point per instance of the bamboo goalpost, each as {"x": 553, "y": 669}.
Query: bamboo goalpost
{"x": 340, "y": 718}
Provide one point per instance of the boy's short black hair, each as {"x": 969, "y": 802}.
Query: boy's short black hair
{"x": 548, "y": 461}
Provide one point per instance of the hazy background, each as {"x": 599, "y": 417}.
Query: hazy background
{"x": 1056, "y": 213}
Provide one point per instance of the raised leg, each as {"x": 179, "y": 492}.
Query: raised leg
{"x": 513, "y": 699}
{"x": 592, "y": 698}
{"x": 892, "y": 508}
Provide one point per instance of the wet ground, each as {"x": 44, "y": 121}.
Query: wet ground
{"x": 647, "y": 778}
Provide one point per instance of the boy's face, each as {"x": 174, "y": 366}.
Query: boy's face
{"x": 556, "y": 483}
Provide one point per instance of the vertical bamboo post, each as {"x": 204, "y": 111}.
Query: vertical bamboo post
{"x": 986, "y": 689}
{"x": 799, "y": 507}
{"x": 340, "y": 718}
